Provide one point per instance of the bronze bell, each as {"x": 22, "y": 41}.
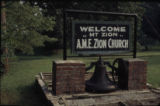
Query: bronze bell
{"x": 100, "y": 81}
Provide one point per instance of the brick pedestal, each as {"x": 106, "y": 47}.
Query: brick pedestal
{"x": 132, "y": 74}
{"x": 68, "y": 77}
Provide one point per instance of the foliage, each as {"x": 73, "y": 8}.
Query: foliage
{"x": 152, "y": 18}
{"x": 150, "y": 24}
{"x": 25, "y": 24}
{"x": 28, "y": 12}
{"x": 55, "y": 8}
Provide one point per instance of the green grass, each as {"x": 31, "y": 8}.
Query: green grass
{"x": 17, "y": 86}
{"x": 153, "y": 67}
{"x": 153, "y": 71}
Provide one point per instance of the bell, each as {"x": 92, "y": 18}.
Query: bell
{"x": 100, "y": 81}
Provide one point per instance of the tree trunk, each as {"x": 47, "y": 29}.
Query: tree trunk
{"x": 3, "y": 26}
{"x": 146, "y": 48}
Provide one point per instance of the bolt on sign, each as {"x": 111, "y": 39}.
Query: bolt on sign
{"x": 101, "y": 37}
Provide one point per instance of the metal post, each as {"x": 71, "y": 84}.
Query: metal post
{"x": 98, "y": 12}
{"x": 135, "y": 37}
{"x": 64, "y": 36}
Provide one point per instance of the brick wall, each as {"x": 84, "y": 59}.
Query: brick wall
{"x": 132, "y": 74}
{"x": 68, "y": 77}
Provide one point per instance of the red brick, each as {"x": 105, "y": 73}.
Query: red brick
{"x": 133, "y": 72}
{"x": 68, "y": 76}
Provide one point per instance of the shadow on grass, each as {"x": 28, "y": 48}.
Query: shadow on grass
{"x": 22, "y": 58}
{"x": 7, "y": 98}
{"x": 32, "y": 57}
{"x": 30, "y": 96}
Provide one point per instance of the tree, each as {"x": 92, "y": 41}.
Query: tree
{"x": 25, "y": 26}
{"x": 55, "y": 8}
{"x": 3, "y": 29}
{"x": 151, "y": 24}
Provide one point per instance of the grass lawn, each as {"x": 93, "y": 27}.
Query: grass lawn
{"x": 17, "y": 86}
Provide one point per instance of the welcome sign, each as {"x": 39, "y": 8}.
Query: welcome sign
{"x": 100, "y": 37}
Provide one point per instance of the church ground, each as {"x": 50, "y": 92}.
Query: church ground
{"x": 17, "y": 86}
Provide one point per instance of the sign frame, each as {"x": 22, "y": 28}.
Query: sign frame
{"x": 71, "y": 12}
